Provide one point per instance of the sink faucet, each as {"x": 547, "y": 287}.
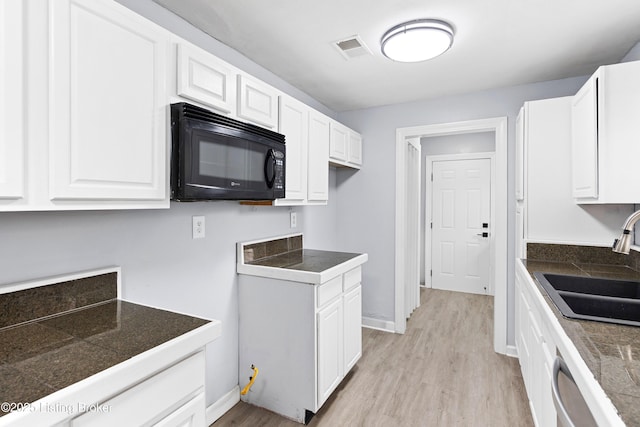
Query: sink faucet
{"x": 622, "y": 244}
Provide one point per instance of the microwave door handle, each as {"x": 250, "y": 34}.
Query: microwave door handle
{"x": 270, "y": 163}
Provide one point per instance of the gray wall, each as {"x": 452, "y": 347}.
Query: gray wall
{"x": 367, "y": 199}
{"x": 184, "y": 29}
{"x": 161, "y": 264}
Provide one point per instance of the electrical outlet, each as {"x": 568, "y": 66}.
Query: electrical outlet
{"x": 294, "y": 219}
{"x": 198, "y": 227}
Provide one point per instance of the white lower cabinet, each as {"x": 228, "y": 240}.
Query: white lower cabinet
{"x": 163, "y": 386}
{"x": 540, "y": 339}
{"x": 303, "y": 338}
{"x": 534, "y": 350}
{"x": 173, "y": 397}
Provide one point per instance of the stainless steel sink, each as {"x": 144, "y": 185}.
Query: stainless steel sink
{"x": 593, "y": 298}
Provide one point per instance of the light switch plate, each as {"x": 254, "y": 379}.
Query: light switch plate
{"x": 294, "y": 219}
{"x": 198, "y": 227}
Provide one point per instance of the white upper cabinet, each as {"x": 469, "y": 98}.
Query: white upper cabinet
{"x": 204, "y": 78}
{"x": 548, "y": 213}
{"x": 257, "y": 102}
{"x": 605, "y": 129}
{"x": 345, "y": 149}
{"x": 108, "y": 128}
{"x": 294, "y": 125}
{"x": 584, "y": 141}
{"x": 339, "y": 142}
{"x": 318, "y": 173}
{"x": 307, "y": 146}
{"x": 354, "y": 155}
{"x": 12, "y": 94}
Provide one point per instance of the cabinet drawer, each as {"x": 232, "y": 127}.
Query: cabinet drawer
{"x": 352, "y": 278}
{"x": 151, "y": 399}
{"x": 188, "y": 415}
{"x": 328, "y": 291}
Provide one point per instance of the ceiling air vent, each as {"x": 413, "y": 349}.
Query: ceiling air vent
{"x": 352, "y": 47}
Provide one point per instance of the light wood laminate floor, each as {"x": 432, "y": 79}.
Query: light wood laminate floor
{"x": 441, "y": 372}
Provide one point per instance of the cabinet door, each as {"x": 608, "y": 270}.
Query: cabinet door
{"x": 294, "y": 125}
{"x": 354, "y": 152}
{"x": 352, "y": 327}
{"x": 584, "y": 140}
{"x": 108, "y": 135}
{"x": 257, "y": 102}
{"x": 12, "y": 171}
{"x": 204, "y": 78}
{"x": 318, "y": 174}
{"x": 339, "y": 141}
{"x": 330, "y": 349}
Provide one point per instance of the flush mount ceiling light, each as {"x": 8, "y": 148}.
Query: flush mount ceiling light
{"x": 417, "y": 40}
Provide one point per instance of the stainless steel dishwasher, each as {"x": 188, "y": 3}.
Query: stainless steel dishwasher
{"x": 570, "y": 406}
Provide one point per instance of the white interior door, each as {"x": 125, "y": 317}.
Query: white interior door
{"x": 461, "y": 212}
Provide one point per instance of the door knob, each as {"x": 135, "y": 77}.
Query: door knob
{"x": 485, "y": 234}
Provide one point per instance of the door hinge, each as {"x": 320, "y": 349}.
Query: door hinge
{"x": 431, "y": 273}
{"x": 431, "y": 177}
{"x": 431, "y": 225}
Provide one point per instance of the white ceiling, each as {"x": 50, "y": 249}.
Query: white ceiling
{"x": 498, "y": 43}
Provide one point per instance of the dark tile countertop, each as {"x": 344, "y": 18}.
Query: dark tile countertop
{"x": 612, "y": 352}
{"x": 41, "y": 356}
{"x": 315, "y": 261}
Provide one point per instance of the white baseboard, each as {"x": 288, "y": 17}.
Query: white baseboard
{"x": 512, "y": 351}
{"x": 222, "y": 405}
{"x": 381, "y": 325}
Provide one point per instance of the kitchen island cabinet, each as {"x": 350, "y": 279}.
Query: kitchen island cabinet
{"x": 300, "y": 325}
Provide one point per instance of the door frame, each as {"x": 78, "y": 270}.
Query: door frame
{"x": 428, "y": 205}
{"x": 499, "y": 126}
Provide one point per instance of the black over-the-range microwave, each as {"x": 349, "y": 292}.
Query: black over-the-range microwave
{"x": 215, "y": 157}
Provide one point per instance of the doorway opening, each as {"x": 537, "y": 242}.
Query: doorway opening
{"x": 405, "y": 259}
